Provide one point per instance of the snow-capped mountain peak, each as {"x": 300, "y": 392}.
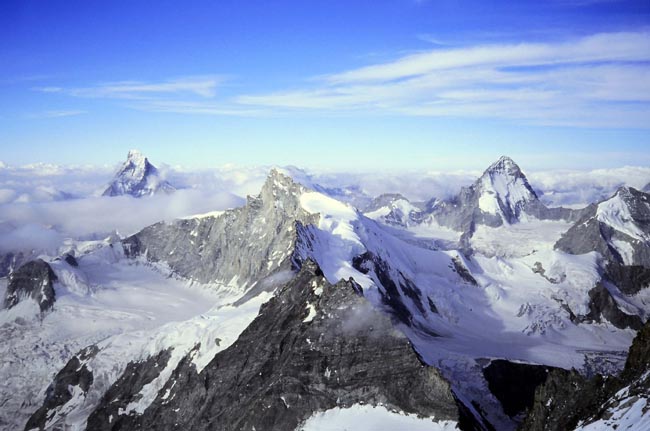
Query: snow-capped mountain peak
{"x": 504, "y": 190}
{"x": 137, "y": 177}
{"x": 625, "y": 212}
{"x": 393, "y": 209}
{"x": 618, "y": 228}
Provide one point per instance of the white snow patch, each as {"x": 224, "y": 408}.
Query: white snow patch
{"x": 369, "y": 418}
{"x": 311, "y": 314}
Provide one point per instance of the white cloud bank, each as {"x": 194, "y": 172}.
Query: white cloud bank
{"x": 36, "y": 211}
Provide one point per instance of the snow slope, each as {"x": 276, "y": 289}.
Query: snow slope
{"x": 369, "y": 418}
{"x": 130, "y": 310}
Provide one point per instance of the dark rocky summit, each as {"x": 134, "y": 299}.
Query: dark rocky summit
{"x": 73, "y": 378}
{"x": 33, "y": 280}
{"x": 567, "y": 399}
{"x": 314, "y": 346}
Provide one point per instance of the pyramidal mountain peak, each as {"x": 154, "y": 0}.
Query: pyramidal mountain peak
{"x": 137, "y": 177}
{"x": 504, "y": 188}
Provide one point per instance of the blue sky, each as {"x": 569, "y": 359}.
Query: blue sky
{"x": 394, "y": 84}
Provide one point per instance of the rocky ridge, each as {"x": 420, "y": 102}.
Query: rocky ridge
{"x": 33, "y": 280}
{"x": 314, "y": 346}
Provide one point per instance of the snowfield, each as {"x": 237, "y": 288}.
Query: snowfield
{"x": 369, "y": 418}
{"x": 130, "y": 310}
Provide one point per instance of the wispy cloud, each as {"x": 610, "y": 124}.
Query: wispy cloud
{"x": 56, "y": 114}
{"x": 202, "y": 107}
{"x": 592, "y": 81}
{"x": 201, "y": 86}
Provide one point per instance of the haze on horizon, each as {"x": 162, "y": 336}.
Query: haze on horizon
{"x": 397, "y": 84}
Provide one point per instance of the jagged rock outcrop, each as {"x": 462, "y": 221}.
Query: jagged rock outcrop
{"x": 73, "y": 380}
{"x": 502, "y": 195}
{"x": 137, "y": 177}
{"x": 647, "y": 188}
{"x": 568, "y": 400}
{"x": 33, "y": 280}
{"x": 603, "y": 305}
{"x": 618, "y": 228}
{"x": 10, "y": 261}
{"x": 113, "y": 410}
{"x": 241, "y": 245}
{"x": 396, "y": 288}
{"x": 313, "y": 346}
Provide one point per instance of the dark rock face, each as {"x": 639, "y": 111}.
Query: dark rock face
{"x": 638, "y": 359}
{"x": 514, "y": 384}
{"x": 246, "y": 244}
{"x": 313, "y": 346}
{"x": 602, "y": 304}
{"x": 629, "y": 279}
{"x": 137, "y": 177}
{"x": 33, "y": 280}
{"x": 10, "y": 261}
{"x": 75, "y": 374}
{"x": 71, "y": 260}
{"x": 563, "y": 399}
{"x": 567, "y": 398}
{"x": 395, "y": 288}
{"x": 108, "y": 414}
{"x": 463, "y": 272}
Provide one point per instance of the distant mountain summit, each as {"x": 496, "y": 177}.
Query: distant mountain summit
{"x": 618, "y": 228}
{"x": 137, "y": 177}
{"x": 502, "y": 195}
{"x": 504, "y": 191}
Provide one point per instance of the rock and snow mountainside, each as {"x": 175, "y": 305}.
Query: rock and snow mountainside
{"x": 137, "y": 177}
{"x": 568, "y": 400}
{"x": 617, "y": 228}
{"x": 34, "y": 281}
{"x": 343, "y": 288}
{"x": 313, "y": 347}
{"x": 394, "y": 209}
